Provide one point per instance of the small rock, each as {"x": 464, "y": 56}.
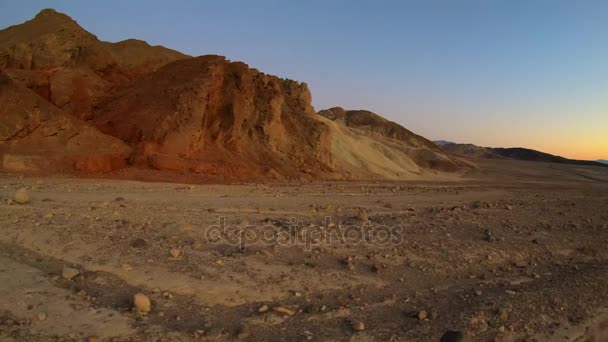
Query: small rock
{"x": 478, "y": 293}
{"x": 510, "y": 292}
{"x": 142, "y": 303}
{"x": 452, "y": 336}
{"x": 21, "y": 196}
{"x": 69, "y": 273}
{"x": 263, "y": 308}
{"x": 489, "y": 236}
{"x": 243, "y": 333}
{"x": 358, "y": 326}
{"x": 422, "y": 315}
{"x": 284, "y": 310}
{"x": 127, "y": 267}
{"x": 139, "y": 243}
{"x": 362, "y": 215}
{"x": 42, "y": 316}
{"x": 93, "y": 339}
{"x": 508, "y": 207}
{"x": 48, "y": 216}
{"x": 175, "y": 252}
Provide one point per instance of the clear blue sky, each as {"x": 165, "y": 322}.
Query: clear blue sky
{"x": 495, "y": 73}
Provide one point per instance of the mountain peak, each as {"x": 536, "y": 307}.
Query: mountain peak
{"x": 49, "y": 13}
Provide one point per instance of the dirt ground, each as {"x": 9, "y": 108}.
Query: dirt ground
{"x": 513, "y": 251}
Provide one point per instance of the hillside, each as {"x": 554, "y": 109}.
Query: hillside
{"x": 366, "y": 143}
{"x": 517, "y": 153}
{"x": 204, "y": 115}
{"x": 68, "y": 66}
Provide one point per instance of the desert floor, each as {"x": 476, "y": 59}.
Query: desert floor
{"x": 516, "y": 251}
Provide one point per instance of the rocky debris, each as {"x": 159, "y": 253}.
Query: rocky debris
{"x": 489, "y": 236}
{"x": 453, "y": 336}
{"x": 263, "y": 308}
{"x": 243, "y": 333}
{"x": 175, "y": 252}
{"x": 42, "y": 316}
{"x": 21, "y": 196}
{"x": 142, "y": 303}
{"x": 69, "y": 272}
{"x": 422, "y": 315}
{"x": 481, "y": 205}
{"x": 362, "y": 215}
{"x": 139, "y": 243}
{"x": 284, "y": 310}
{"x": 358, "y": 326}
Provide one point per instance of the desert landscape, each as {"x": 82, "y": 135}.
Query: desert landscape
{"x": 148, "y": 195}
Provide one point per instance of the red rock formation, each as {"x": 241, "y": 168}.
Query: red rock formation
{"x": 36, "y": 137}
{"x": 210, "y": 115}
{"x": 59, "y": 60}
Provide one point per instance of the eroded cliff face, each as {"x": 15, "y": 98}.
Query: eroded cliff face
{"x": 210, "y": 115}
{"x": 36, "y": 137}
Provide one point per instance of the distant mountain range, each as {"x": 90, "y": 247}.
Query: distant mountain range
{"x": 603, "y": 161}
{"x": 518, "y": 153}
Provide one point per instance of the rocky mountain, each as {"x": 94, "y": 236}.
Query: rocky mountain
{"x": 210, "y": 115}
{"x": 68, "y": 66}
{"x": 155, "y": 108}
{"x": 517, "y": 153}
{"x": 603, "y": 161}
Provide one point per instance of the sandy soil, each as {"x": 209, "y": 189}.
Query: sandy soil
{"x": 514, "y": 252}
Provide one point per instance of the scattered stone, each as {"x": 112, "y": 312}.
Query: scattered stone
{"x": 119, "y": 199}
{"x": 481, "y": 205}
{"x": 82, "y": 293}
{"x": 508, "y": 207}
{"x": 139, "y": 243}
{"x": 127, "y": 267}
{"x": 452, "y": 336}
{"x": 243, "y": 333}
{"x": 358, "y": 326}
{"x": 175, "y": 252}
{"x": 48, "y": 216}
{"x": 42, "y": 316}
{"x": 478, "y": 293}
{"x": 510, "y": 292}
{"x": 489, "y": 236}
{"x": 284, "y": 310}
{"x": 142, "y": 303}
{"x": 362, "y": 215}
{"x": 21, "y": 196}
{"x": 263, "y": 308}
{"x": 422, "y": 315}
{"x": 69, "y": 273}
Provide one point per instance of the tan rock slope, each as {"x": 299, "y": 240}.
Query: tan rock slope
{"x": 204, "y": 115}
{"x": 366, "y": 145}
{"x": 37, "y": 137}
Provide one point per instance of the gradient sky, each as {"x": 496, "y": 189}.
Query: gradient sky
{"x": 494, "y": 73}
